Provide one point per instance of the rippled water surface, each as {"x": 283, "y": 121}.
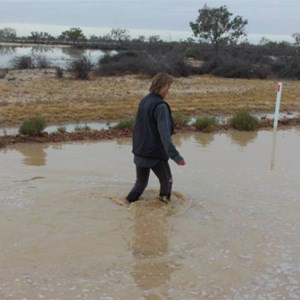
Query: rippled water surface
{"x": 232, "y": 230}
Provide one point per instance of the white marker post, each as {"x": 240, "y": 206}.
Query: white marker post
{"x": 278, "y": 98}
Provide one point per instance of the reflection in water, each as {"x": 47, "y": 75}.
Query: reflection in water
{"x": 149, "y": 245}
{"x": 242, "y": 138}
{"x": 150, "y": 231}
{"x": 4, "y": 50}
{"x": 273, "y": 148}
{"x": 40, "y": 50}
{"x": 236, "y": 238}
{"x": 34, "y": 154}
{"x": 126, "y": 141}
{"x": 204, "y": 139}
{"x": 58, "y": 56}
{"x": 72, "y": 52}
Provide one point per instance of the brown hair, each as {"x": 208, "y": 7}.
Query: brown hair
{"x": 159, "y": 81}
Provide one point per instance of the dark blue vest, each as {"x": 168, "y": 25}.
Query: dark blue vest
{"x": 146, "y": 139}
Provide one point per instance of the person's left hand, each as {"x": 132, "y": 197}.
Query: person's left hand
{"x": 181, "y": 162}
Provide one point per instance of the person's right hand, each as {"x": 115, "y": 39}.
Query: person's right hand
{"x": 181, "y": 162}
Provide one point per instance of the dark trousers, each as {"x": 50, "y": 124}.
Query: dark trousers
{"x": 162, "y": 171}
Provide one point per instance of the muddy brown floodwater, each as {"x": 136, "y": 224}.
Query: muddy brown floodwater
{"x": 232, "y": 230}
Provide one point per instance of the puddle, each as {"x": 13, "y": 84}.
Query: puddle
{"x": 67, "y": 127}
{"x": 232, "y": 230}
{"x": 106, "y": 125}
{"x": 260, "y": 116}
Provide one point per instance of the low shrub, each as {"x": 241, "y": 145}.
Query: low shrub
{"x": 289, "y": 68}
{"x": 141, "y": 62}
{"x": 79, "y": 127}
{"x": 22, "y": 62}
{"x": 190, "y": 52}
{"x": 180, "y": 119}
{"x": 33, "y": 126}
{"x": 59, "y": 72}
{"x": 128, "y": 62}
{"x": 243, "y": 120}
{"x": 234, "y": 67}
{"x": 81, "y": 68}
{"x": 30, "y": 62}
{"x": 297, "y": 120}
{"x": 205, "y": 124}
{"x": 3, "y": 73}
{"x": 125, "y": 124}
{"x": 61, "y": 129}
{"x": 41, "y": 61}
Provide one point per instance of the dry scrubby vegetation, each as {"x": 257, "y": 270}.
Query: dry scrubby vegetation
{"x": 243, "y": 61}
{"x": 241, "y": 120}
{"x": 205, "y": 85}
{"x": 270, "y": 61}
{"x": 61, "y": 100}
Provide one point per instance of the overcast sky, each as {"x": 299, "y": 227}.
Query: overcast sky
{"x": 274, "y": 19}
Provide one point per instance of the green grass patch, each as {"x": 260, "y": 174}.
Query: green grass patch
{"x": 244, "y": 121}
{"x": 205, "y": 124}
{"x": 79, "y": 128}
{"x": 180, "y": 119}
{"x": 33, "y": 126}
{"x": 125, "y": 124}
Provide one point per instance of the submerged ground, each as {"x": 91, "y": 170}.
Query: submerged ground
{"x": 232, "y": 230}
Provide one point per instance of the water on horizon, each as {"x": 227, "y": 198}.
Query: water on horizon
{"x": 58, "y": 56}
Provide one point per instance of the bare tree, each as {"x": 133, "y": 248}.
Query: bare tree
{"x": 8, "y": 34}
{"x": 119, "y": 34}
{"x": 296, "y": 36}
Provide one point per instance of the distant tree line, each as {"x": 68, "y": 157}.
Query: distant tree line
{"x": 219, "y": 49}
{"x": 214, "y": 25}
{"x": 74, "y": 36}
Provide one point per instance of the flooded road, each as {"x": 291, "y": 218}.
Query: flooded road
{"x": 232, "y": 230}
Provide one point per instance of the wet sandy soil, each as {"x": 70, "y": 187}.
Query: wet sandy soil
{"x": 26, "y": 93}
{"x": 232, "y": 230}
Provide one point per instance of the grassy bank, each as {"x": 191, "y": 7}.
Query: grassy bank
{"x": 25, "y": 93}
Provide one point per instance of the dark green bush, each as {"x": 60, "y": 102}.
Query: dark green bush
{"x": 206, "y": 124}
{"x": 33, "y": 126}
{"x": 243, "y": 120}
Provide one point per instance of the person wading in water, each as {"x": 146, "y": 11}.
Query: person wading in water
{"x": 152, "y": 143}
